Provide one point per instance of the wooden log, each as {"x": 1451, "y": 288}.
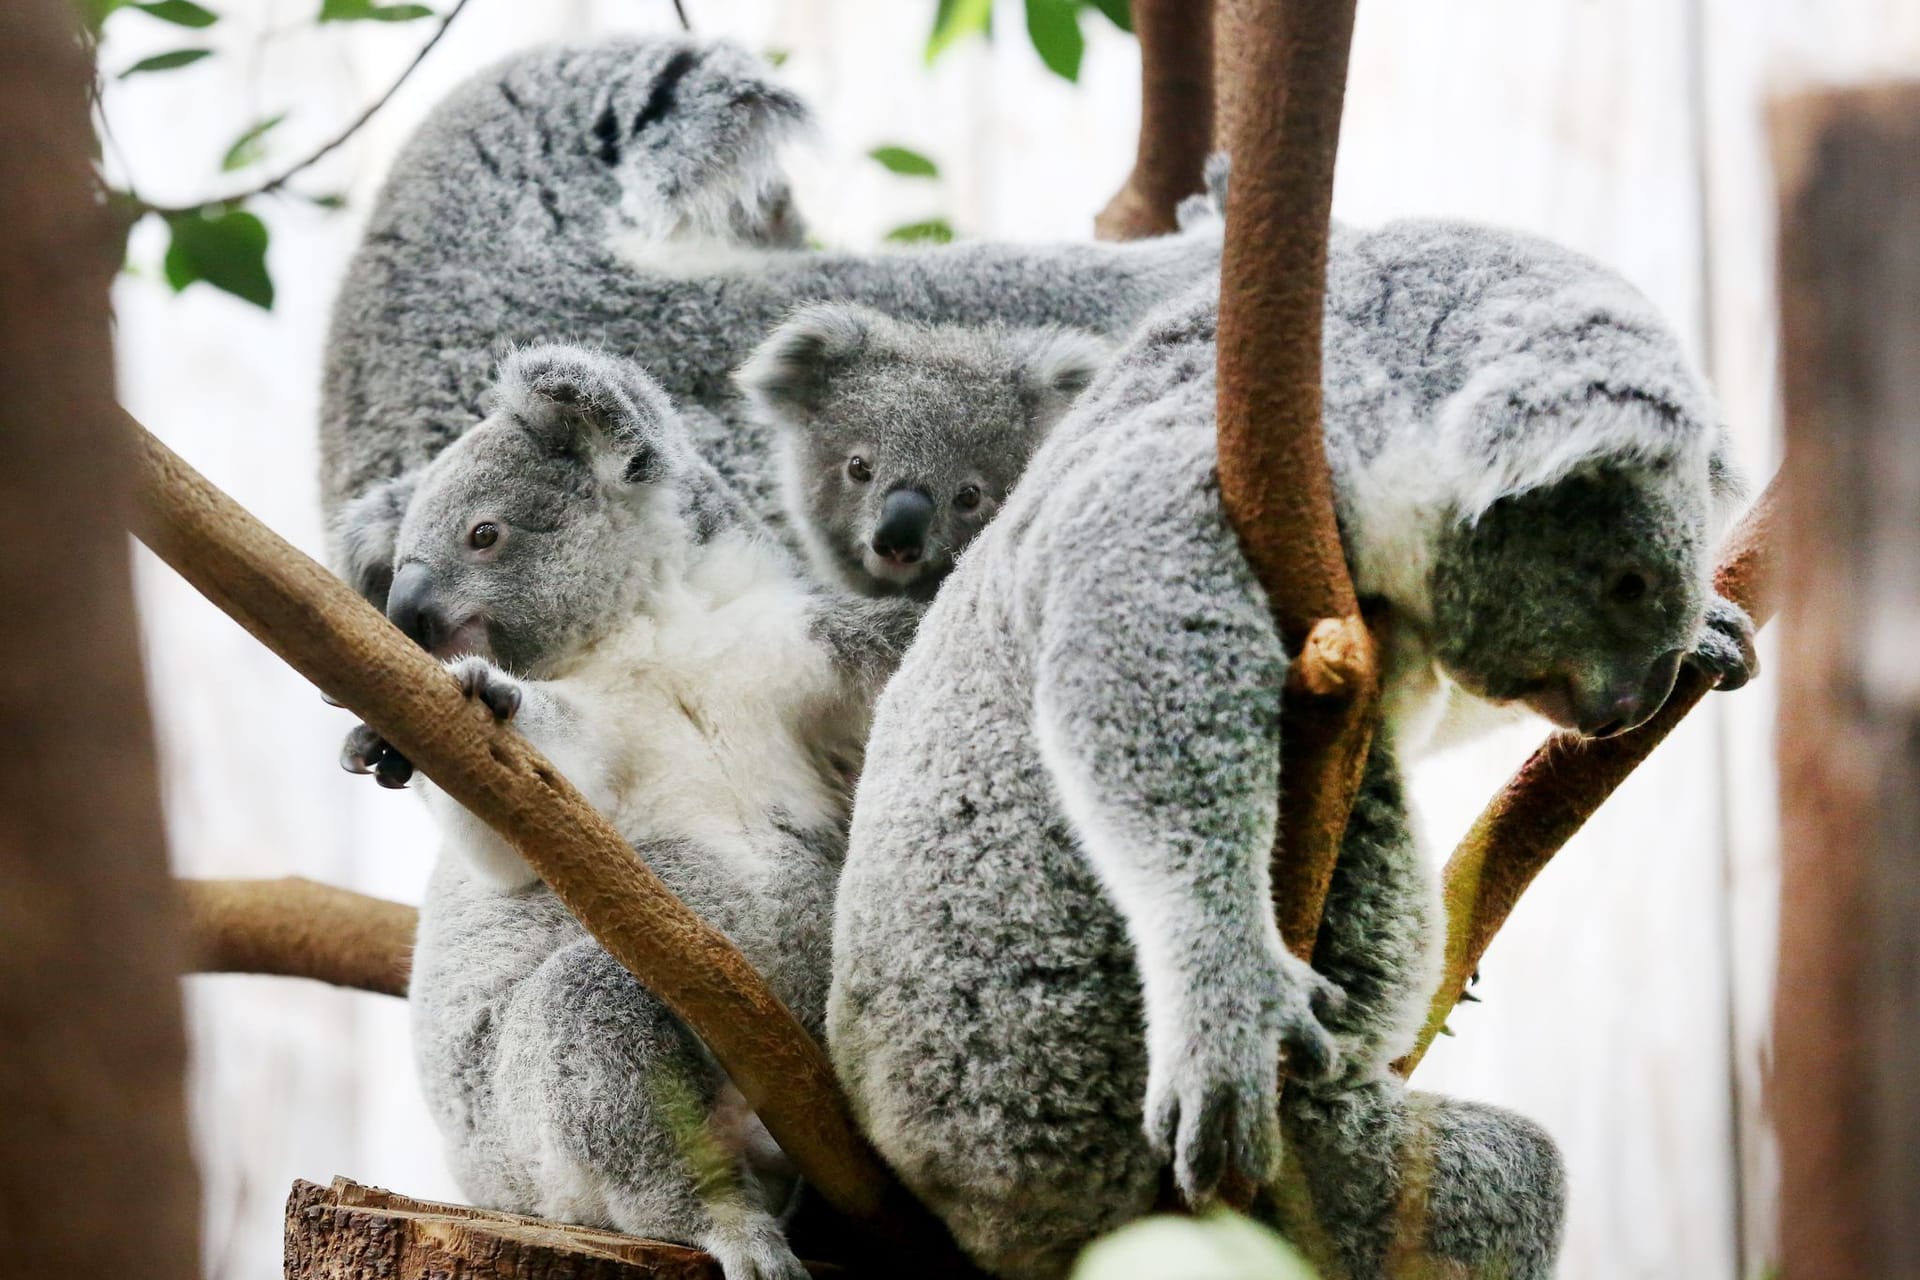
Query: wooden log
{"x": 1287, "y": 79}
{"x": 1176, "y": 118}
{"x": 350, "y": 1232}
{"x": 298, "y": 928}
{"x": 96, "y": 1178}
{"x": 1846, "y": 1084}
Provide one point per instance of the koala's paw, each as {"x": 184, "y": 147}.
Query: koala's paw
{"x": 366, "y": 752}
{"x": 1726, "y": 650}
{"x": 1213, "y": 1098}
{"x": 756, "y": 1251}
{"x": 499, "y": 692}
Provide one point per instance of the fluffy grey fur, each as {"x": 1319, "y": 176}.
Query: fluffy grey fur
{"x": 625, "y": 195}
{"x": 899, "y": 441}
{"x": 680, "y": 669}
{"x": 1055, "y": 962}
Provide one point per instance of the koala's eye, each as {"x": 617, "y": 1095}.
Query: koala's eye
{"x": 483, "y": 535}
{"x": 968, "y": 498}
{"x": 1627, "y": 588}
{"x": 858, "y": 469}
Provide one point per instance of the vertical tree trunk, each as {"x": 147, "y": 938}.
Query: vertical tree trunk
{"x": 1176, "y": 118}
{"x": 95, "y": 1177}
{"x": 1847, "y": 1078}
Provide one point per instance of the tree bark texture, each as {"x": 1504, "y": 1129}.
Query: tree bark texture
{"x": 336, "y": 639}
{"x": 1176, "y": 118}
{"x": 1846, "y": 1084}
{"x": 95, "y": 1174}
{"x": 297, "y": 928}
{"x": 1287, "y": 74}
{"x": 1567, "y": 780}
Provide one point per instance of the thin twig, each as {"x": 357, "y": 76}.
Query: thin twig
{"x": 274, "y": 184}
{"x": 680, "y": 11}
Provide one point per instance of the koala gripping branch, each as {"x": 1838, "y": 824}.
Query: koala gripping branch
{"x": 1566, "y": 780}
{"x": 1274, "y": 484}
{"x": 335, "y": 639}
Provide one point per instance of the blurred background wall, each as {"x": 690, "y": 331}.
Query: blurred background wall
{"x": 1626, "y": 1005}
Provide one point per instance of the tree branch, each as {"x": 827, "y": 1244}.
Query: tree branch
{"x": 337, "y": 640}
{"x": 1176, "y": 119}
{"x": 1289, "y": 81}
{"x": 1566, "y": 780}
{"x": 298, "y": 928}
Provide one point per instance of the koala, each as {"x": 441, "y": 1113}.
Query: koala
{"x": 674, "y": 662}
{"x": 899, "y": 441}
{"x": 627, "y": 195}
{"x": 1056, "y": 970}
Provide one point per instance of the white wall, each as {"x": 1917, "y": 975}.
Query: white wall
{"x": 1625, "y": 1006}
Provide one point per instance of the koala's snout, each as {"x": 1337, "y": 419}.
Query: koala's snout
{"x": 1626, "y": 702}
{"x": 905, "y": 518}
{"x": 418, "y": 608}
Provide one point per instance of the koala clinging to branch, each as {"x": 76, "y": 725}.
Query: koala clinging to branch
{"x": 676, "y": 665}
{"x": 627, "y": 195}
{"x": 899, "y": 441}
{"x": 1056, "y": 968}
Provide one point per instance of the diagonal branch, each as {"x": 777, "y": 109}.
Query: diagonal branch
{"x": 334, "y": 638}
{"x": 1288, "y": 82}
{"x": 299, "y": 928}
{"x": 1176, "y": 118}
{"x": 1566, "y": 780}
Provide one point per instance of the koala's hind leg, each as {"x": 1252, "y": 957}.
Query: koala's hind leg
{"x": 1381, "y": 1183}
{"x": 622, "y": 1117}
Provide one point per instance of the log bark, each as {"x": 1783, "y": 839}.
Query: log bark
{"x": 1846, "y": 1083}
{"x": 1176, "y": 119}
{"x": 298, "y": 928}
{"x": 1563, "y": 783}
{"x": 336, "y": 639}
{"x": 1288, "y": 81}
{"x": 95, "y": 1173}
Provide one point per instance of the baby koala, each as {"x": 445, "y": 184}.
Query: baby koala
{"x": 900, "y": 440}
{"x": 681, "y": 670}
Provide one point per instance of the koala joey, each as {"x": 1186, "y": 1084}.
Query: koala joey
{"x": 675, "y": 664}
{"x": 1056, "y": 969}
{"x": 628, "y": 194}
{"x": 898, "y": 440}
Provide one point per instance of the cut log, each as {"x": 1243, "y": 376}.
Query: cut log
{"x": 350, "y": 1232}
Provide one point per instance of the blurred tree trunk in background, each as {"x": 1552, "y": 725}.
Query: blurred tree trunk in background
{"x": 1846, "y": 1090}
{"x": 95, "y": 1175}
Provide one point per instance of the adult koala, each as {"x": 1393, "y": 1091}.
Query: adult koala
{"x": 625, "y": 195}
{"x": 1054, "y": 920}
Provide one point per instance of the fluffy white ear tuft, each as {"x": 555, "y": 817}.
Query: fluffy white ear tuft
{"x": 1060, "y": 363}
{"x": 790, "y": 374}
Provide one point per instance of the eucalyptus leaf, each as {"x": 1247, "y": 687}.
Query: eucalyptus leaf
{"x": 932, "y": 231}
{"x": 249, "y": 147}
{"x": 167, "y": 61}
{"x": 1119, "y": 12}
{"x": 225, "y": 248}
{"x": 368, "y": 11}
{"x": 906, "y": 163}
{"x": 957, "y": 19}
{"x": 1054, "y": 28}
{"x": 181, "y": 13}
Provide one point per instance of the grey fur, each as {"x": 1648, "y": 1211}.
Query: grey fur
{"x": 625, "y": 195}
{"x": 1062, "y": 832}
{"x": 949, "y": 412}
{"x": 681, "y": 670}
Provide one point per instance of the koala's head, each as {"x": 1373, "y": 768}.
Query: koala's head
{"x": 902, "y": 440}
{"x": 545, "y": 524}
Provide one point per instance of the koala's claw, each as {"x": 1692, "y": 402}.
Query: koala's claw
{"x": 1726, "y": 651}
{"x": 366, "y": 752}
{"x": 497, "y": 691}
{"x": 1212, "y": 1128}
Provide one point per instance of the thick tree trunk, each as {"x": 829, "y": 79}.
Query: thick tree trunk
{"x": 1176, "y": 118}
{"x": 95, "y": 1177}
{"x": 1846, "y": 1088}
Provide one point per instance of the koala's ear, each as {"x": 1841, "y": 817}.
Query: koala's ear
{"x": 364, "y": 533}
{"x": 790, "y": 375}
{"x": 583, "y": 403}
{"x": 1058, "y": 365}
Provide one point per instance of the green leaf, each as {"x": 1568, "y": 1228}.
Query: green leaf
{"x": 167, "y": 61}
{"x": 908, "y": 164}
{"x": 1054, "y": 27}
{"x": 932, "y": 231}
{"x": 1119, "y": 12}
{"x": 777, "y": 58}
{"x": 181, "y": 13}
{"x": 955, "y": 20}
{"x": 330, "y": 201}
{"x": 95, "y": 12}
{"x": 368, "y": 11}
{"x": 248, "y": 148}
{"x": 227, "y": 249}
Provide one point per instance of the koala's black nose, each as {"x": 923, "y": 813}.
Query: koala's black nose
{"x": 905, "y": 517}
{"x": 1629, "y": 703}
{"x": 412, "y": 608}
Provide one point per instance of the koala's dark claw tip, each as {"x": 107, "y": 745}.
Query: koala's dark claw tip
{"x": 393, "y": 771}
